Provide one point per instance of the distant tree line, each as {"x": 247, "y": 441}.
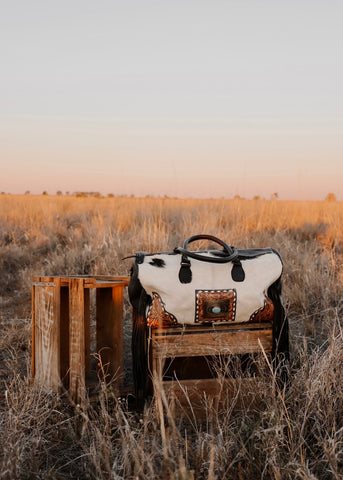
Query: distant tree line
{"x": 330, "y": 197}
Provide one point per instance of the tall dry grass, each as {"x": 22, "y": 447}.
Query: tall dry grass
{"x": 296, "y": 433}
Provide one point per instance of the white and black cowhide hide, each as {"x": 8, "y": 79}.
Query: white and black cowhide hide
{"x": 212, "y": 295}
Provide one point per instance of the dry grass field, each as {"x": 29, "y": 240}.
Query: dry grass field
{"x": 297, "y": 433}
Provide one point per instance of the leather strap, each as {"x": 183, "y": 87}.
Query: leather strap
{"x": 185, "y": 272}
{"x": 237, "y": 272}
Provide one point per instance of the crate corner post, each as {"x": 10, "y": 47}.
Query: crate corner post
{"x": 46, "y": 332}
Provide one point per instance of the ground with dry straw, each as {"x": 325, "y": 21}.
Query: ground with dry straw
{"x": 294, "y": 433}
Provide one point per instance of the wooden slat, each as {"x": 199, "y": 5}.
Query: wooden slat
{"x": 64, "y": 335}
{"x": 35, "y": 279}
{"x": 207, "y": 396}
{"x": 112, "y": 278}
{"x": 46, "y": 333}
{"x": 33, "y": 335}
{"x": 77, "y": 371}
{"x": 87, "y": 332}
{"x": 197, "y": 328}
{"x": 106, "y": 284}
{"x": 211, "y": 386}
{"x": 109, "y": 330}
{"x": 89, "y": 281}
{"x": 213, "y": 343}
{"x": 65, "y": 281}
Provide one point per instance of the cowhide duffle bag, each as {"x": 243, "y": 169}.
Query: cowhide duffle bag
{"x": 206, "y": 286}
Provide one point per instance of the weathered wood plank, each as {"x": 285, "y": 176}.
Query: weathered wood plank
{"x": 213, "y": 343}
{"x": 116, "y": 279}
{"x": 33, "y": 333}
{"x": 202, "y": 398}
{"x": 64, "y": 335}
{"x": 77, "y": 370}
{"x": 87, "y": 332}
{"x": 109, "y": 330}
{"x": 105, "y": 284}
{"x": 90, "y": 281}
{"x": 191, "y": 329}
{"x": 46, "y": 333}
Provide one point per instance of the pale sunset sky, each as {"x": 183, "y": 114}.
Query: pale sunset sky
{"x": 183, "y": 98}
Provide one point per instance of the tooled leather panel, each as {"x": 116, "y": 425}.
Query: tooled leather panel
{"x": 157, "y": 315}
{"x": 264, "y": 314}
{"x": 215, "y": 305}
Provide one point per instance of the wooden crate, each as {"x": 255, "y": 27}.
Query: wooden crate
{"x": 167, "y": 345}
{"x": 61, "y": 353}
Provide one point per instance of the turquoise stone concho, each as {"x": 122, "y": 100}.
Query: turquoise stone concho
{"x": 216, "y": 310}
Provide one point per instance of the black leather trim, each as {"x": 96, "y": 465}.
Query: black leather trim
{"x": 140, "y": 257}
{"x": 280, "y": 352}
{"x": 254, "y": 253}
{"x": 237, "y": 272}
{"x": 139, "y": 300}
{"x": 185, "y": 272}
{"x": 242, "y": 254}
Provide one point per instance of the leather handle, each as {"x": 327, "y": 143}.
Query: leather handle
{"x": 227, "y": 255}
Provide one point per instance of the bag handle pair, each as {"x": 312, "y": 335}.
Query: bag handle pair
{"x": 228, "y": 254}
